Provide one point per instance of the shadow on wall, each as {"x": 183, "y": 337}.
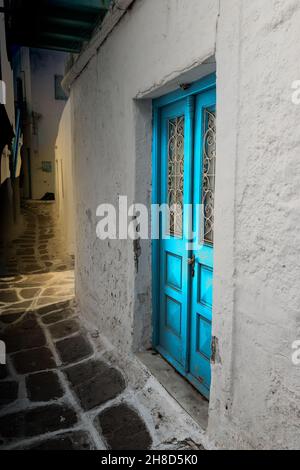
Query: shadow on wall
{"x": 64, "y": 187}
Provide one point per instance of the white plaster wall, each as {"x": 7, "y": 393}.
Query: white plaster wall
{"x": 155, "y": 41}
{"x": 64, "y": 177}
{"x": 255, "y": 389}
{"x": 44, "y": 65}
{"x": 257, "y": 296}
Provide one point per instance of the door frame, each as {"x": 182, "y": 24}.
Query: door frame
{"x": 205, "y": 84}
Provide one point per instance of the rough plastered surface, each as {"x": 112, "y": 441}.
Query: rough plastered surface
{"x": 256, "y": 392}
{"x": 64, "y": 177}
{"x": 112, "y": 151}
{"x": 255, "y": 387}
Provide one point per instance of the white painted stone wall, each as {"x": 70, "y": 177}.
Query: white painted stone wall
{"x": 64, "y": 177}
{"x": 256, "y": 389}
{"x": 37, "y": 68}
{"x": 44, "y": 66}
{"x": 155, "y": 47}
{"x": 110, "y": 131}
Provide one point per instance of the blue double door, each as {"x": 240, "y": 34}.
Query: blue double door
{"x": 186, "y": 163}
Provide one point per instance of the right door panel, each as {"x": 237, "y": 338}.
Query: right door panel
{"x": 203, "y": 225}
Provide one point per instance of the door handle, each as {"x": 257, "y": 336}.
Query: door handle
{"x": 192, "y": 262}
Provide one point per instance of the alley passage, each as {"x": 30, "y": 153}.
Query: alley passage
{"x": 55, "y": 391}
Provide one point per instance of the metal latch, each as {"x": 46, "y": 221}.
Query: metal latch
{"x": 192, "y": 262}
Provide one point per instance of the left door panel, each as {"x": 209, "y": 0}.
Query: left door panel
{"x": 175, "y": 192}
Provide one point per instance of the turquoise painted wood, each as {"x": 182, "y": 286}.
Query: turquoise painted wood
{"x": 202, "y": 282}
{"x": 174, "y": 270}
{"x": 182, "y": 296}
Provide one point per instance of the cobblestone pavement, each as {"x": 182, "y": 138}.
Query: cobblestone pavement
{"x": 56, "y": 392}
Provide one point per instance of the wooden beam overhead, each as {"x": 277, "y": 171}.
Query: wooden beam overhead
{"x": 63, "y": 23}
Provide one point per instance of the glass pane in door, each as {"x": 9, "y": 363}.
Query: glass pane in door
{"x": 175, "y": 175}
{"x": 209, "y": 174}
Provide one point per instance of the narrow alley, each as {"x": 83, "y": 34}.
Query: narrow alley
{"x": 54, "y": 377}
{"x": 149, "y": 237}
{"x": 56, "y": 391}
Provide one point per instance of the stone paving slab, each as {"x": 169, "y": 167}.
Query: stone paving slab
{"x": 8, "y": 393}
{"x": 15, "y": 307}
{"x": 4, "y": 286}
{"x": 123, "y": 429}
{"x": 35, "y": 360}
{"x": 29, "y": 293}
{"x": 10, "y": 318}
{"x": 36, "y": 422}
{"x": 43, "y": 387}
{"x": 56, "y": 317}
{"x": 74, "y": 349}
{"x": 25, "y": 335}
{"x": 8, "y": 296}
{"x": 95, "y": 383}
{"x": 64, "y": 329}
{"x": 54, "y": 307}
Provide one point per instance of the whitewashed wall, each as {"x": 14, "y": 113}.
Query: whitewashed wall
{"x": 156, "y": 46}
{"x": 44, "y": 65}
{"x": 256, "y": 389}
{"x": 112, "y": 149}
{"x": 64, "y": 177}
